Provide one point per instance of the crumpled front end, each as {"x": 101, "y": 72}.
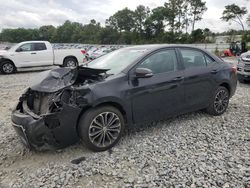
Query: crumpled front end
{"x": 46, "y": 121}
{"x": 47, "y": 113}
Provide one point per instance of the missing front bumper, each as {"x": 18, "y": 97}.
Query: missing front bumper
{"x": 50, "y": 131}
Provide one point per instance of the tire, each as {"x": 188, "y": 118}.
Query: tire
{"x": 7, "y": 67}
{"x": 98, "y": 135}
{"x": 219, "y": 103}
{"x": 70, "y": 62}
{"x": 241, "y": 78}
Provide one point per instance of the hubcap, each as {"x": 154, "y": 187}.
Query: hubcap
{"x": 221, "y": 101}
{"x": 71, "y": 63}
{"x": 104, "y": 129}
{"x": 8, "y": 68}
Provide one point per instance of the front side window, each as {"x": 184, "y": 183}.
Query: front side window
{"x": 160, "y": 62}
{"x": 25, "y": 48}
{"x": 193, "y": 58}
{"x": 39, "y": 46}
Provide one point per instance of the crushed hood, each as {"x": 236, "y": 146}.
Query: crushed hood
{"x": 59, "y": 78}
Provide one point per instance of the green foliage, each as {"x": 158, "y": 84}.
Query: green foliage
{"x": 197, "y": 9}
{"x": 234, "y": 13}
{"x": 123, "y": 20}
{"x": 246, "y": 37}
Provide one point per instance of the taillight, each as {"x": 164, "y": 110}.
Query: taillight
{"x": 83, "y": 51}
{"x": 234, "y": 69}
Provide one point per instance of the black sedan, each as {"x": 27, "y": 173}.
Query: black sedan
{"x": 129, "y": 86}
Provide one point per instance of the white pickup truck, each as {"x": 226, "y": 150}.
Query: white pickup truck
{"x": 37, "y": 54}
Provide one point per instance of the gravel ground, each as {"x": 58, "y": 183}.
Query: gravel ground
{"x": 192, "y": 150}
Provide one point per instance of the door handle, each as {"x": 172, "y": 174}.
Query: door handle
{"x": 214, "y": 71}
{"x": 179, "y": 78}
{"x": 33, "y": 53}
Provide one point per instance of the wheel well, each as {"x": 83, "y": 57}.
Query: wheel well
{"x": 226, "y": 85}
{"x": 70, "y": 57}
{"x": 3, "y": 60}
{"x": 116, "y": 105}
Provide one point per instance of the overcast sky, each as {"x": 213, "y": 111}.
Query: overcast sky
{"x": 35, "y": 13}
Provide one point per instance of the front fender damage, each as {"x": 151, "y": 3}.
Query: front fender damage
{"x": 52, "y": 129}
{"x": 47, "y": 113}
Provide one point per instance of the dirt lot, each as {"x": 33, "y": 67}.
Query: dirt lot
{"x": 193, "y": 150}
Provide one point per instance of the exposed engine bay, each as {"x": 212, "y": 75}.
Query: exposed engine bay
{"x": 39, "y": 117}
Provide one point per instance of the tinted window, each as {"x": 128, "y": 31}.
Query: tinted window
{"x": 163, "y": 61}
{"x": 39, "y": 46}
{"x": 210, "y": 61}
{"x": 118, "y": 60}
{"x": 193, "y": 58}
{"x": 25, "y": 47}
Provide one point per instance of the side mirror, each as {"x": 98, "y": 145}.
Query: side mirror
{"x": 143, "y": 73}
{"x": 18, "y": 49}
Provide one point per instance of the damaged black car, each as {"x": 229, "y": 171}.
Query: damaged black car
{"x": 133, "y": 85}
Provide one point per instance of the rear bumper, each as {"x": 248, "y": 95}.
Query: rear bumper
{"x": 50, "y": 131}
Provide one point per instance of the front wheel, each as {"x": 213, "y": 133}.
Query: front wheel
{"x": 101, "y": 128}
{"x": 70, "y": 62}
{"x": 220, "y": 102}
{"x": 7, "y": 67}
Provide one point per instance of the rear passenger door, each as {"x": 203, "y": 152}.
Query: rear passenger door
{"x": 44, "y": 56}
{"x": 198, "y": 82}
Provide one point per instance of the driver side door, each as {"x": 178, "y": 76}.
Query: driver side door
{"x": 25, "y": 55}
{"x": 161, "y": 95}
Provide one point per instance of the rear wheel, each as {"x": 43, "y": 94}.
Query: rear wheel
{"x": 70, "y": 62}
{"x": 7, "y": 67}
{"x": 101, "y": 128}
{"x": 220, "y": 102}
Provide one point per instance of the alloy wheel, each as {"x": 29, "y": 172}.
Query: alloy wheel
{"x": 8, "y": 68}
{"x": 221, "y": 101}
{"x": 105, "y": 129}
{"x": 71, "y": 63}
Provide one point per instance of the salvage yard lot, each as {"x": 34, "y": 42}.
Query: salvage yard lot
{"x": 190, "y": 150}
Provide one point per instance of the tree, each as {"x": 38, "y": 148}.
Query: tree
{"x": 154, "y": 23}
{"x": 197, "y": 9}
{"x": 248, "y": 21}
{"x": 234, "y": 13}
{"x": 123, "y": 20}
{"x": 197, "y": 35}
{"x": 47, "y": 32}
{"x": 141, "y": 13}
{"x": 174, "y": 14}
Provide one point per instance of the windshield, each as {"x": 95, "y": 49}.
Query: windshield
{"x": 118, "y": 60}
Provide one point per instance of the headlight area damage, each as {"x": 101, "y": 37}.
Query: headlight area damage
{"x": 47, "y": 113}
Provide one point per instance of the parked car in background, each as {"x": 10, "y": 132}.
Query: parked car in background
{"x": 37, "y": 54}
{"x": 129, "y": 86}
{"x": 243, "y": 67}
{"x": 99, "y": 53}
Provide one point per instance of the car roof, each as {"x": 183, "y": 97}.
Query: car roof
{"x": 159, "y": 46}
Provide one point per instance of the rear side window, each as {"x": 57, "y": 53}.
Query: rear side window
{"x": 160, "y": 62}
{"x": 39, "y": 46}
{"x": 210, "y": 62}
{"x": 193, "y": 58}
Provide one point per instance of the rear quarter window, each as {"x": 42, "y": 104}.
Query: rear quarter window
{"x": 195, "y": 58}
{"x": 39, "y": 46}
